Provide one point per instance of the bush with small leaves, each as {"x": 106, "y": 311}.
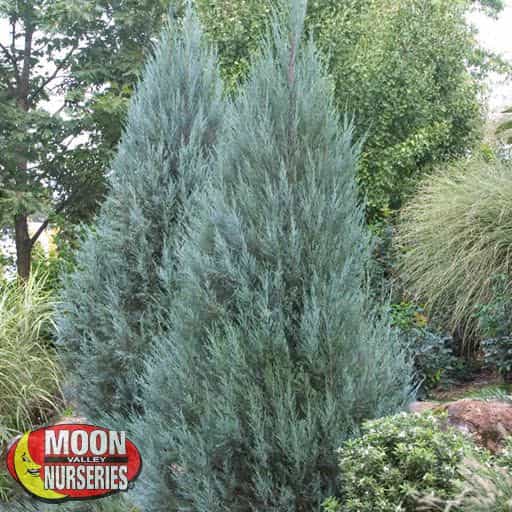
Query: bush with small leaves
{"x": 434, "y": 358}
{"x": 498, "y": 355}
{"x": 399, "y": 459}
{"x": 495, "y": 323}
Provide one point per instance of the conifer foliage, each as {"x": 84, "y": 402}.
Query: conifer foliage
{"x": 115, "y": 303}
{"x": 276, "y": 353}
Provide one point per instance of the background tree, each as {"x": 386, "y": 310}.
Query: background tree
{"x": 493, "y": 7}
{"x": 116, "y": 301}
{"x": 410, "y": 70}
{"x": 276, "y": 352}
{"x": 403, "y": 68}
{"x": 87, "y": 53}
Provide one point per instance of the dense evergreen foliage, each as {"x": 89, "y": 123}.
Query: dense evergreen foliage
{"x": 276, "y": 353}
{"x": 117, "y": 299}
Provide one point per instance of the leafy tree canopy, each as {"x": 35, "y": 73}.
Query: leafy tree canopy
{"x": 409, "y": 70}
{"x": 87, "y": 53}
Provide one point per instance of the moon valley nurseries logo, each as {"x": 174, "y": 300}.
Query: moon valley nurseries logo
{"x": 73, "y": 462}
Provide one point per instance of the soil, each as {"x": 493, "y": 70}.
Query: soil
{"x": 482, "y": 382}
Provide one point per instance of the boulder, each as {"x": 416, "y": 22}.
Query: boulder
{"x": 488, "y": 422}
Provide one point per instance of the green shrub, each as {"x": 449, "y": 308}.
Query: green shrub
{"x": 495, "y": 324}
{"x": 495, "y": 317}
{"x": 433, "y": 354}
{"x": 483, "y": 487}
{"x": 397, "y": 460}
{"x": 434, "y": 359}
{"x": 408, "y": 315}
{"x": 504, "y": 129}
{"x": 48, "y": 264}
{"x": 453, "y": 235}
{"x": 498, "y": 354}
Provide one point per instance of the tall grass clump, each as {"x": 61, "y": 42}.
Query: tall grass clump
{"x": 29, "y": 371}
{"x": 455, "y": 239}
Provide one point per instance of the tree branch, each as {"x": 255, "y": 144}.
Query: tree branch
{"x": 59, "y": 208}
{"x": 45, "y": 223}
{"x": 56, "y": 86}
{"x": 7, "y": 53}
{"x": 53, "y": 75}
{"x": 11, "y": 58}
{"x": 59, "y": 110}
{"x": 25, "y": 72}
{"x": 13, "y": 52}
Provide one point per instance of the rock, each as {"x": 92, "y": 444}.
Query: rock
{"x": 487, "y": 422}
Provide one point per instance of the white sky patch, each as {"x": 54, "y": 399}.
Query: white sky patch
{"x": 496, "y": 35}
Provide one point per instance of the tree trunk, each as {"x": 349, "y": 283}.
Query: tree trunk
{"x": 22, "y": 237}
{"x": 23, "y": 246}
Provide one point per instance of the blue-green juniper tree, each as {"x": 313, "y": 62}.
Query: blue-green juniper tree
{"x": 277, "y": 353}
{"x": 117, "y": 300}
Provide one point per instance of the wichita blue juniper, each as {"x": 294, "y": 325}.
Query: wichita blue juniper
{"x": 277, "y": 353}
{"x": 117, "y": 300}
